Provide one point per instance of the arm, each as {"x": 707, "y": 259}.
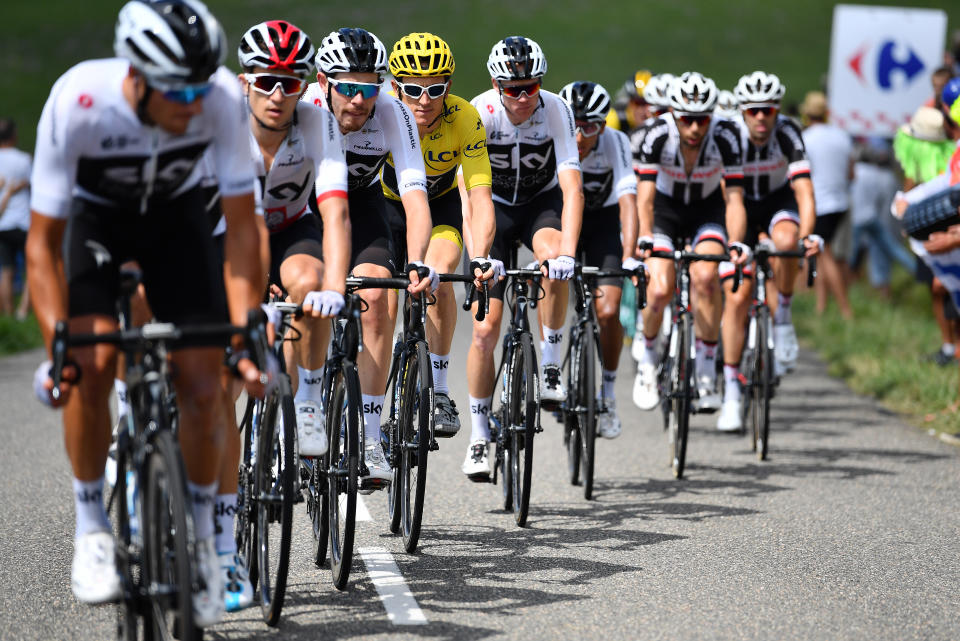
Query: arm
{"x": 483, "y": 221}
{"x": 629, "y": 224}
{"x": 45, "y": 276}
{"x": 336, "y": 243}
{"x": 736, "y": 218}
{"x": 243, "y": 273}
{"x": 803, "y": 191}
{"x": 571, "y": 219}
{"x": 646, "y": 190}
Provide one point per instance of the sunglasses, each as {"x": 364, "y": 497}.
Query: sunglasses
{"x": 689, "y": 119}
{"x": 757, "y": 111}
{"x": 266, "y": 83}
{"x": 415, "y": 91}
{"x": 589, "y": 129}
{"x": 187, "y": 94}
{"x": 516, "y": 91}
{"x": 350, "y": 89}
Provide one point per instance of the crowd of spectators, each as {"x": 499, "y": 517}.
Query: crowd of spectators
{"x": 14, "y": 220}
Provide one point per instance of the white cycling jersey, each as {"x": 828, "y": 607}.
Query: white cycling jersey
{"x": 310, "y": 157}
{"x": 92, "y": 145}
{"x": 607, "y": 171}
{"x": 768, "y": 168}
{"x": 719, "y": 158}
{"x": 391, "y": 130}
{"x": 525, "y": 158}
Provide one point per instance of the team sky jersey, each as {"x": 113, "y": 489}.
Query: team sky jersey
{"x": 91, "y": 145}
{"x": 525, "y": 159}
{"x": 768, "y": 168}
{"x": 459, "y": 140}
{"x": 391, "y": 130}
{"x": 311, "y": 156}
{"x": 607, "y": 171}
{"x": 719, "y": 158}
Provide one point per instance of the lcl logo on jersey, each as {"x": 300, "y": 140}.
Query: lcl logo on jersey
{"x": 884, "y": 61}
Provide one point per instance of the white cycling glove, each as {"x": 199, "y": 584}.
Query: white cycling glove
{"x": 560, "y": 268}
{"x": 274, "y": 315}
{"x": 817, "y": 238}
{"x": 499, "y": 271}
{"x": 432, "y": 276}
{"x": 327, "y": 302}
{"x": 631, "y": 264}
{"x": 742, "y": 249}
{"x": 39, "y": 378}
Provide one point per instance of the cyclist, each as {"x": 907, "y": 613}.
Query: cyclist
{"x": 685, "y": 155}
{"x": 609, "y": 234}
{"x": 538, "y": 198}
{"x": 780, "y": 207}
{"x": 117, "y": 146}
{"x": 655, "y": 94}
{"x": 351, "y": 64}
{"x": 630, "y": 107}
{"x": 727, "y": 104}
{"x": 453, "y": 142}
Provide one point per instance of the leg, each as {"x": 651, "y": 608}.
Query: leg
{"x": 785, "y": 235}
{"x": 707, "y": 312}
{"x": 6, "y": 290}
{"x": 662, "y": 276}
{"x": 480, "y": 385}
{"x": 443, "y": 254}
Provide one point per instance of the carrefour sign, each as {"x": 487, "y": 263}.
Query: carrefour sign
{"x": 881, "y": 59}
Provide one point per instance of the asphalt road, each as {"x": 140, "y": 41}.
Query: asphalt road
{"x": 847, "y": 532}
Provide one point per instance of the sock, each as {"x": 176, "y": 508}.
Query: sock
{"x": 706, "y": 359}
{"x": 88, "y": 501}
{"x": 783, "y": 316}
{"x": 310, "y": 387}
{"x": 372, "y": 408}
{"x": 609, "y": 378}
{"x": 224, "y": 513}
{"x": 648, "y": 356}
{"x": 731, "y": 376}
{"x": 440, "y": 366}
{"x": 552, "y": 344}
{"x": 123, "y": 403}
{"x": 203, "y": 498}
{"x": 949, "y": 349}
{"x": 480, "y": 418}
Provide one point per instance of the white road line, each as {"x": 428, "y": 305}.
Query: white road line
{"x": 398, "y": 601}
{"x": 363, "y": 514}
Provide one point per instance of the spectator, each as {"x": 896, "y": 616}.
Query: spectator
{"x": 941, "y": 76}
{"x": 830, "y": 150}
{"x": 873, "y": 188}
{"x": 14, "y": 214}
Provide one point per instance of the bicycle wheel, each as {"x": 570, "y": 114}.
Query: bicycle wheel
{"x": 747, "y": 369}
{"x": 168, "y": 539}
{"x": 129, "y": 546}
{"x": 763, "y": 384}
{"x": 392, "y": 428}
{"x": 317, "y": 508}
{"x": 523, "y": 414}
{"x": 571, "y": 433}
{"x": 275, "y": 476}
{"x": 416, "y": 412}
{"x": 682, "y": 379}
{"x": 246, "y": 525}
{"x": 587, "y": 406}
{"x": 502, "y": 456}
{"x": 344, "y": 425}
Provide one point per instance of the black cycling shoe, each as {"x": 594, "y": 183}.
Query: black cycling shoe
{"x": 446, "y": 419}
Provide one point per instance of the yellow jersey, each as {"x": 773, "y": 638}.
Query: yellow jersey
{"x": 460, "y": 140}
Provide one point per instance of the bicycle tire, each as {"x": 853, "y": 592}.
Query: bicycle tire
{"x": 246, "y": 523}
{"x": 392, "y": 427}
{"x": 588, "y": 398}
{"x": 318, "y": 509}
{"x": 128, "y": 551}
{"x": 681, "y": 397}
{"x": 342, "y": 475}
{"x": 747, "y": 369}
{"x": 275, "y": 475}
{"x": 571, "y": 433}
{"x": 763, "y": 386}
{"x": 167, "y": 527}
{"x": 503, "y": 459}
{"x": 523, "y": 414}
{"x": 416, "y": 412}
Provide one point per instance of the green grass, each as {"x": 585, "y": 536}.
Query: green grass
{"x": 604, "y": 42}
{"x": 16, "y": 336}
{"x": 880, "y": 353}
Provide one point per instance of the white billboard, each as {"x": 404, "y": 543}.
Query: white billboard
{"x": 881, "y": 60}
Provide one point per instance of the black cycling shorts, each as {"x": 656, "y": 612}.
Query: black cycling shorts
{"x": 519, "y": 224}
{"x": 764, "y": 214}
{"x": 827, "y": 225}
{"x": 303, "y": 236}
{"x": 12, "y": 242}
{"x": 600, "y": 244}
{"x": 446, "y": 216}
{"x": 371, "y": 240}
{"x": 182, "y": 270}
{"x": 697, "y": 222}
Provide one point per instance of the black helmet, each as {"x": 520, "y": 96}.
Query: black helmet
{"x": 352, "y": 50}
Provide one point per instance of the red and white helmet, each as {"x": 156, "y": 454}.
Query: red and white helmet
{"x": 276, "y": 45}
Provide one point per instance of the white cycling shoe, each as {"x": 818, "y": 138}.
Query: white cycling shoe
{"x": 208, "y": 601}
{"x": 237, "y": 589}
{"x": 646, "y": 396}
{"x": 376, "y": 462}
{"x": 729, "y": 419}
{"x": 608, "y": 423}
{"x": 93, "y": 574}
{"x": 708, "y": 396}
{"x": 476, "y": 465}
{"x": 551, "y": 384}
{"x": 311, "y": 433}
{"x": 785, "y": 347}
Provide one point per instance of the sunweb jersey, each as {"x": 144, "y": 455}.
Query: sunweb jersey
{"x": 783, "y": 158}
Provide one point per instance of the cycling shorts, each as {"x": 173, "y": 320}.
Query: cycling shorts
{"x": 763, "y": 215}
{"x": 827, "y": 225}
{"x": 700, "y": 221}
{"x": 600, "y": 244}
{"x": 447, "y": 217}
{"x": 371, "y": 240}
{"x": 520, "y": 223}
{"x": 12, "y": 242}
{"x": 303, "y": 236}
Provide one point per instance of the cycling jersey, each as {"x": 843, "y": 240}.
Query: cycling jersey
{"x": 309, "y": 160}
{"x": 607, "y": 172}
{"x": 92, "y": 145}
{"x": 391, "y": 129}
{"x": 768, "y": 168}
{"x": 459, "y": 141}
{"x": 525, "y": 158}
{"x": 719, "y": 158}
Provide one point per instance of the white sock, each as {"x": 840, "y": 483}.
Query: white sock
{"x": 949, "y": 349}
{"x": 310, "y": 387}
{"x": 552, "y": 346}
{"x": 609, "y": 378}
{"x": 731, "y": 376}
{"x": 203, "y": 497}
{"x": 441, "y": 365}
{"x": 480, "y": 418}
{"x": 706, "y": 358}
{"x": 647, "y": 356}
{"x": 372, "y": 408}
{"x": 783, "y": 316}
{"x": 224, "y": 513}
{"x": 123, "y": 403}
{"x": 88, "y": 501}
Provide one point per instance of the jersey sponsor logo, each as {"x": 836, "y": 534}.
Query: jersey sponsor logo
{"x": 361, "y": 168}
{"x": 367, "y": 145}
{"x": 119, "y": 142}
{"x": 437, "y": 135}
{"x": 440, "y": 156}
{"x": 479, "y": 124}
{"x": 372, "y": 408}
{"x": 290, "y": 191}
{"x": 100, "y": 253}
{"x": 410, "y": 130}
{"x": 274, "y": 217}
{"x": 292, "y": 160}
{"x": 451, "y": 109}
{"x": 124, "y": 179}
{"x": 490, "y": 108}
{"x": 536, "y": 167}
{"x": 496, "y": 135}
{"x": 597, "y": 187}
{"x": 475, "y": 150}
{"x": 440, "y": 183}
{"x": 85, "y": 100}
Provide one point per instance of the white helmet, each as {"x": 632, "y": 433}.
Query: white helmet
{"x": 759, "y": 87}
{"x": 170, "y": 41}
{"x": 352, "y": 50}
{"x": 727, "y": 104}
{"x": 693, "y": 93}
{"x": 589, "y": 101}
{"x": 657, "y": 89}
{"x": 516, "y": 58}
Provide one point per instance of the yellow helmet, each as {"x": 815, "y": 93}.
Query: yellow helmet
{"x": 421, "y": 55}
{"x": 634, "y": 86}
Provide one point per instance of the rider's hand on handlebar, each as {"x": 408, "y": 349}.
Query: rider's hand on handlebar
{"x": 419, "y": 285}
{"x": 258, "y": 383}
{"x": 559, "y": 268}
{"x": 813, "y": 244}
{"x": 43, "y": 384}
{"x": 644, "y": 247}
{"x": 740, "y": 254}
{"x": 323, "y": 304}
{"x": 483, "y": 269}
{"x": 631, "y": 264}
